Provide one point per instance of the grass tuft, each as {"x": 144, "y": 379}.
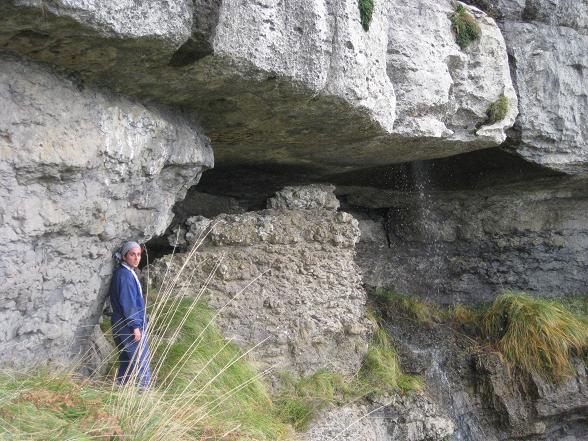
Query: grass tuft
{"x": 497, "y": 110}
{"x": 366, "y": 9}
{"x": 299, "y": 401}
{"x": 381, "y": 371}
{"x": 249, "y": 405}
{"x": 399, "y": 305}
{"x": 465, "y": 26}
{"x": 55, "y": 406}
{"x": 536, "y": 335}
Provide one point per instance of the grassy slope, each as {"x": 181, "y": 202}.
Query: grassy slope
{"x": 212, "y": 393}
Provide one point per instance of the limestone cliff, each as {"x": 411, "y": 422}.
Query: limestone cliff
{"x": 287, "y": 82}
{"x": 81, "y": 170}
{"x": 110, "y": 111}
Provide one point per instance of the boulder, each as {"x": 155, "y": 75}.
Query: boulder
{"x": 288, "y": 280}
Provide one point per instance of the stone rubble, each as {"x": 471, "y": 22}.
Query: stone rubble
{"x": 413, "y": 417}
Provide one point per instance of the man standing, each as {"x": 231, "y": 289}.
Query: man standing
{"x": 129, "y": 318}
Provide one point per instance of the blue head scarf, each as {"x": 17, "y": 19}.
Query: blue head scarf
{"x": 124, "y": 249}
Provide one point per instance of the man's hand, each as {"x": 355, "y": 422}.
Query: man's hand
{"x": 137, "y": 334}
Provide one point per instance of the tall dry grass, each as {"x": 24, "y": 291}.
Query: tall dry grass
{"x": 536, "y": 335}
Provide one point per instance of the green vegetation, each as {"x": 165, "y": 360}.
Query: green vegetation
{"x": 465, "y": 26}
{"x": 48, "y": 406}
{"x": 381, "y": 369}
{"x": 201, "y": 361}
{"x": 299, "y": 401}
{"x": 366, "y": 9}
{"x": 534, "y": 334}
{"x": 497, "y": 110}
{"x": 206, "y": 389}
{"x": 399, "y": 305}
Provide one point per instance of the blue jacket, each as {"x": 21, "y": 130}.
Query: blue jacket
{"x": 128, "y": 305}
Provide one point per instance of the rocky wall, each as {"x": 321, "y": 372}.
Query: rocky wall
{"x": 81, "y": 170}
{"x": 468, "y": 246}
{"x": 486, "y": 399}
{"x": 288, "y": 278}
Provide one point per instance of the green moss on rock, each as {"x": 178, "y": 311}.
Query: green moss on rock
{"x": 497, "y": 110}
{"x": 366, "y": 9}
{"x": 465, "y": 26}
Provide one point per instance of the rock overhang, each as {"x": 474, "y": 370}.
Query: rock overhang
{"x": 303, "y": 86}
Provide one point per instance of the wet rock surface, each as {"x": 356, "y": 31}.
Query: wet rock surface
{"x": 289, "y": 280}
{"x": 468, "y": 246}
{"x": 485, "y": 399}
{"x": 81, "y": 171}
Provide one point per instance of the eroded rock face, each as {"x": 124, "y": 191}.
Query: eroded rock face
{"x": 484, "y": 398}
{"x": 468, "y": 246}
{"x": 443, "y": 91}
{"x": 546, "y": 41}
{"x": 292, "y": 280}
{"x": 528, "y": 405}
{"x": 551, "y": 68}
{"x": 399, "y": 418}
{"x": 286, "y": 82}
{"x": 81, "y": 170}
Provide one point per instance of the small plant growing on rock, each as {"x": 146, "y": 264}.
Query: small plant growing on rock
{"x": 497, "y": 110}
{"x": 366, "y": 9}
{"x": 381, "y": 368}
{"x": 398, "y": 305}
{"x": 536, "y": 335}
{"x": 465, "y": 26}
{"x": 301, "y": 400}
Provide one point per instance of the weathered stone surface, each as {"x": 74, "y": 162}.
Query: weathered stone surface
{"x": 467, "y": 246}
{"x": 97, "y": 359}
{"x": 443, "y": 91}
{"x": 80, "y": 171}
{"x": 305, "y": 198}
{"x": 568, "y": 13}
{"x": 168, "y": 21}
{"x": 399, "y": 418}
{"x": 547, "y": 42}
{"x": 483, "y": 397}
{"x": 307, "y": 300}
{"x": 551, "y": 71}
{"x": 529, "y": 406}
{"x": 285, "y": 82}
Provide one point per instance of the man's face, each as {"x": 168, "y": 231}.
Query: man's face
{"x": 133, "y": 257}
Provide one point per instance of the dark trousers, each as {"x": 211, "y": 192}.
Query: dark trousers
{"x": 134, "y": 359}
